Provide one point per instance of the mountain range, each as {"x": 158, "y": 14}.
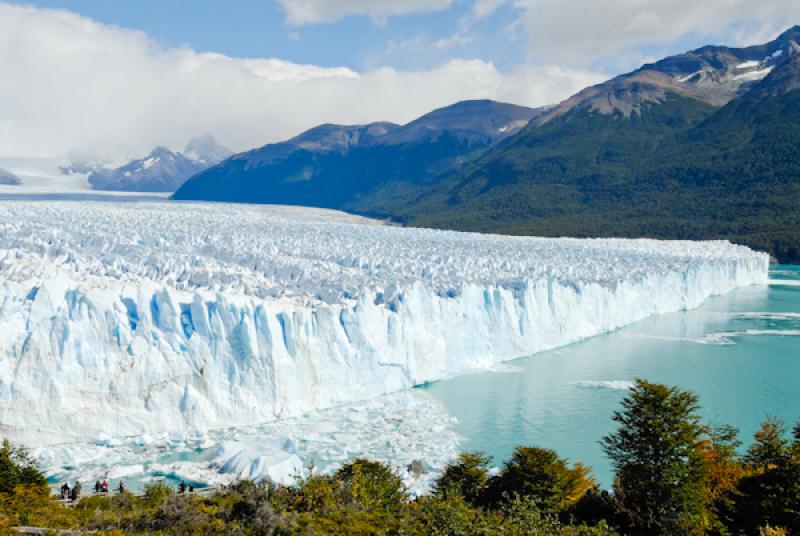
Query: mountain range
{"x": 352, "y": 167}
{"x": 162, "y": 170}
{"x": 701, "y": 145}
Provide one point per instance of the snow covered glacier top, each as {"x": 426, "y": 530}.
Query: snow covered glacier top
{"x": 309, "y": 254}
{"x": 128, "y": 317}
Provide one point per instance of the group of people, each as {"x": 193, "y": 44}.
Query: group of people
{"x": 74, "y": 493}
{"x": 102, "y": 487}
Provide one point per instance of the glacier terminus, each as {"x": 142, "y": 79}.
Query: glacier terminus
{"x": 130, "y": 317}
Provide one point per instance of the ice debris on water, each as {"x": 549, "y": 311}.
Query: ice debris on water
{"x": 396, "y": 429}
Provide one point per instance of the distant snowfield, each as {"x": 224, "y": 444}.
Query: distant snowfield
{"x": 124, "y": 317}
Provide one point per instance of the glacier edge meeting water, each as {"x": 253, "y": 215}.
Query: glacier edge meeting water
{"x": 111, "y": 326}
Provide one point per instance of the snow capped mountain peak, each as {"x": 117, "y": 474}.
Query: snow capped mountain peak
{"x": 163, "y": 170}
{"x": 714, "y": 75}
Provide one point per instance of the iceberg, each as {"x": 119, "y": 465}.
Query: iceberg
{"x": 140, "y": 318}
{"x": 259, "y": 462}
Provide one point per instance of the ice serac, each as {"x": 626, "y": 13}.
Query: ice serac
{"x": 125, "y": 318}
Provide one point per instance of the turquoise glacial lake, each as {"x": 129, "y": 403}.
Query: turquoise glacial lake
{"x": 739, "y": 352}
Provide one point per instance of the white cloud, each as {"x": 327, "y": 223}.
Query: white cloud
{"x": 484, "y": 8}
{"x": 458, "y": 39}
{"x": 72, "y": 84}
{"x": 299, "y": 12}
{"x": 581, "y": 31}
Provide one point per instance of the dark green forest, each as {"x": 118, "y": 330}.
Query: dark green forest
{"x": 678, "y": 170}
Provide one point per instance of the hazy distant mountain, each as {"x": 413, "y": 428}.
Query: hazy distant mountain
{"x": 353, "y": 167}
{"x": 8, "y": 178}
{"x": 206, "y": 150}
{"x": 83, "y": 166}
{"x": 162, "y": 170}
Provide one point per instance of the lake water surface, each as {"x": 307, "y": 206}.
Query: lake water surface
{"x": 739, "y": 352}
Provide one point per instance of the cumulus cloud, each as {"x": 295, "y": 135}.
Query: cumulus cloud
{"x": 578, "y": 32}
{"x": 299, "y": 12}
{"x": 72, "y": 84}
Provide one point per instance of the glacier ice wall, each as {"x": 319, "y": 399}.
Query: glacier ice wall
{"x": 123, "y": 318}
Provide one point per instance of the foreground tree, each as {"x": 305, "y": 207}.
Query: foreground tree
{"x": 661, "y": 476}
{"x": 18, "y": 469}
{"x": 769, "y": 496}
{"x": 770, "y": 446}
{"x": 370, "y": 485}
{"x": 467, "y": 476}
{"x": 539, "y": 475}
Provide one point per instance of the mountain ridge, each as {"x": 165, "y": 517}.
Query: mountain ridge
{"x": 162, "y": 170}
{"x": 339, "y": 166}
{"x": 731, "y": 172}
{"x": 700, "y": 145}
{"x": 712, "y": 74}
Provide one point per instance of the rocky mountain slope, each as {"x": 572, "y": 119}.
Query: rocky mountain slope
{"x": 661, "y": 160}
{"x": 712, "y": 74}
{"x": 699, "y": 145}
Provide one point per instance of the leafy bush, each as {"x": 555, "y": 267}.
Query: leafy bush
{"x": 467, "y": 476}
{"x": 542, "y": 476}
{"x": 18, "y": 469}
{"x": 370, "y": 485}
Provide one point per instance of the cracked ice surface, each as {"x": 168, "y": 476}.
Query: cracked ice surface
{"x": 131, "y": 317}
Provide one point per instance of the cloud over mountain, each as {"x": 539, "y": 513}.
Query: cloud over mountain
{"x": 580, "y": 31}
{"x": 73, "y": 84}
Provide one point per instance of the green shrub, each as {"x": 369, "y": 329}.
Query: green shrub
{"x": 18, "y": 469}
{"x": 541, "y": 476}
{"x": 156, "y": 492}
{"x": 467, "y": 477}
{"x": 370, "y": 485}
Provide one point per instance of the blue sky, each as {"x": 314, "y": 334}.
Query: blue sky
{"x": 258, "y": 28}
{"x": 420, "y": 39}
{"x": 117, "y": 77}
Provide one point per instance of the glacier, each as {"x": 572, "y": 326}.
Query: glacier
{"x": 123, "y": 318}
